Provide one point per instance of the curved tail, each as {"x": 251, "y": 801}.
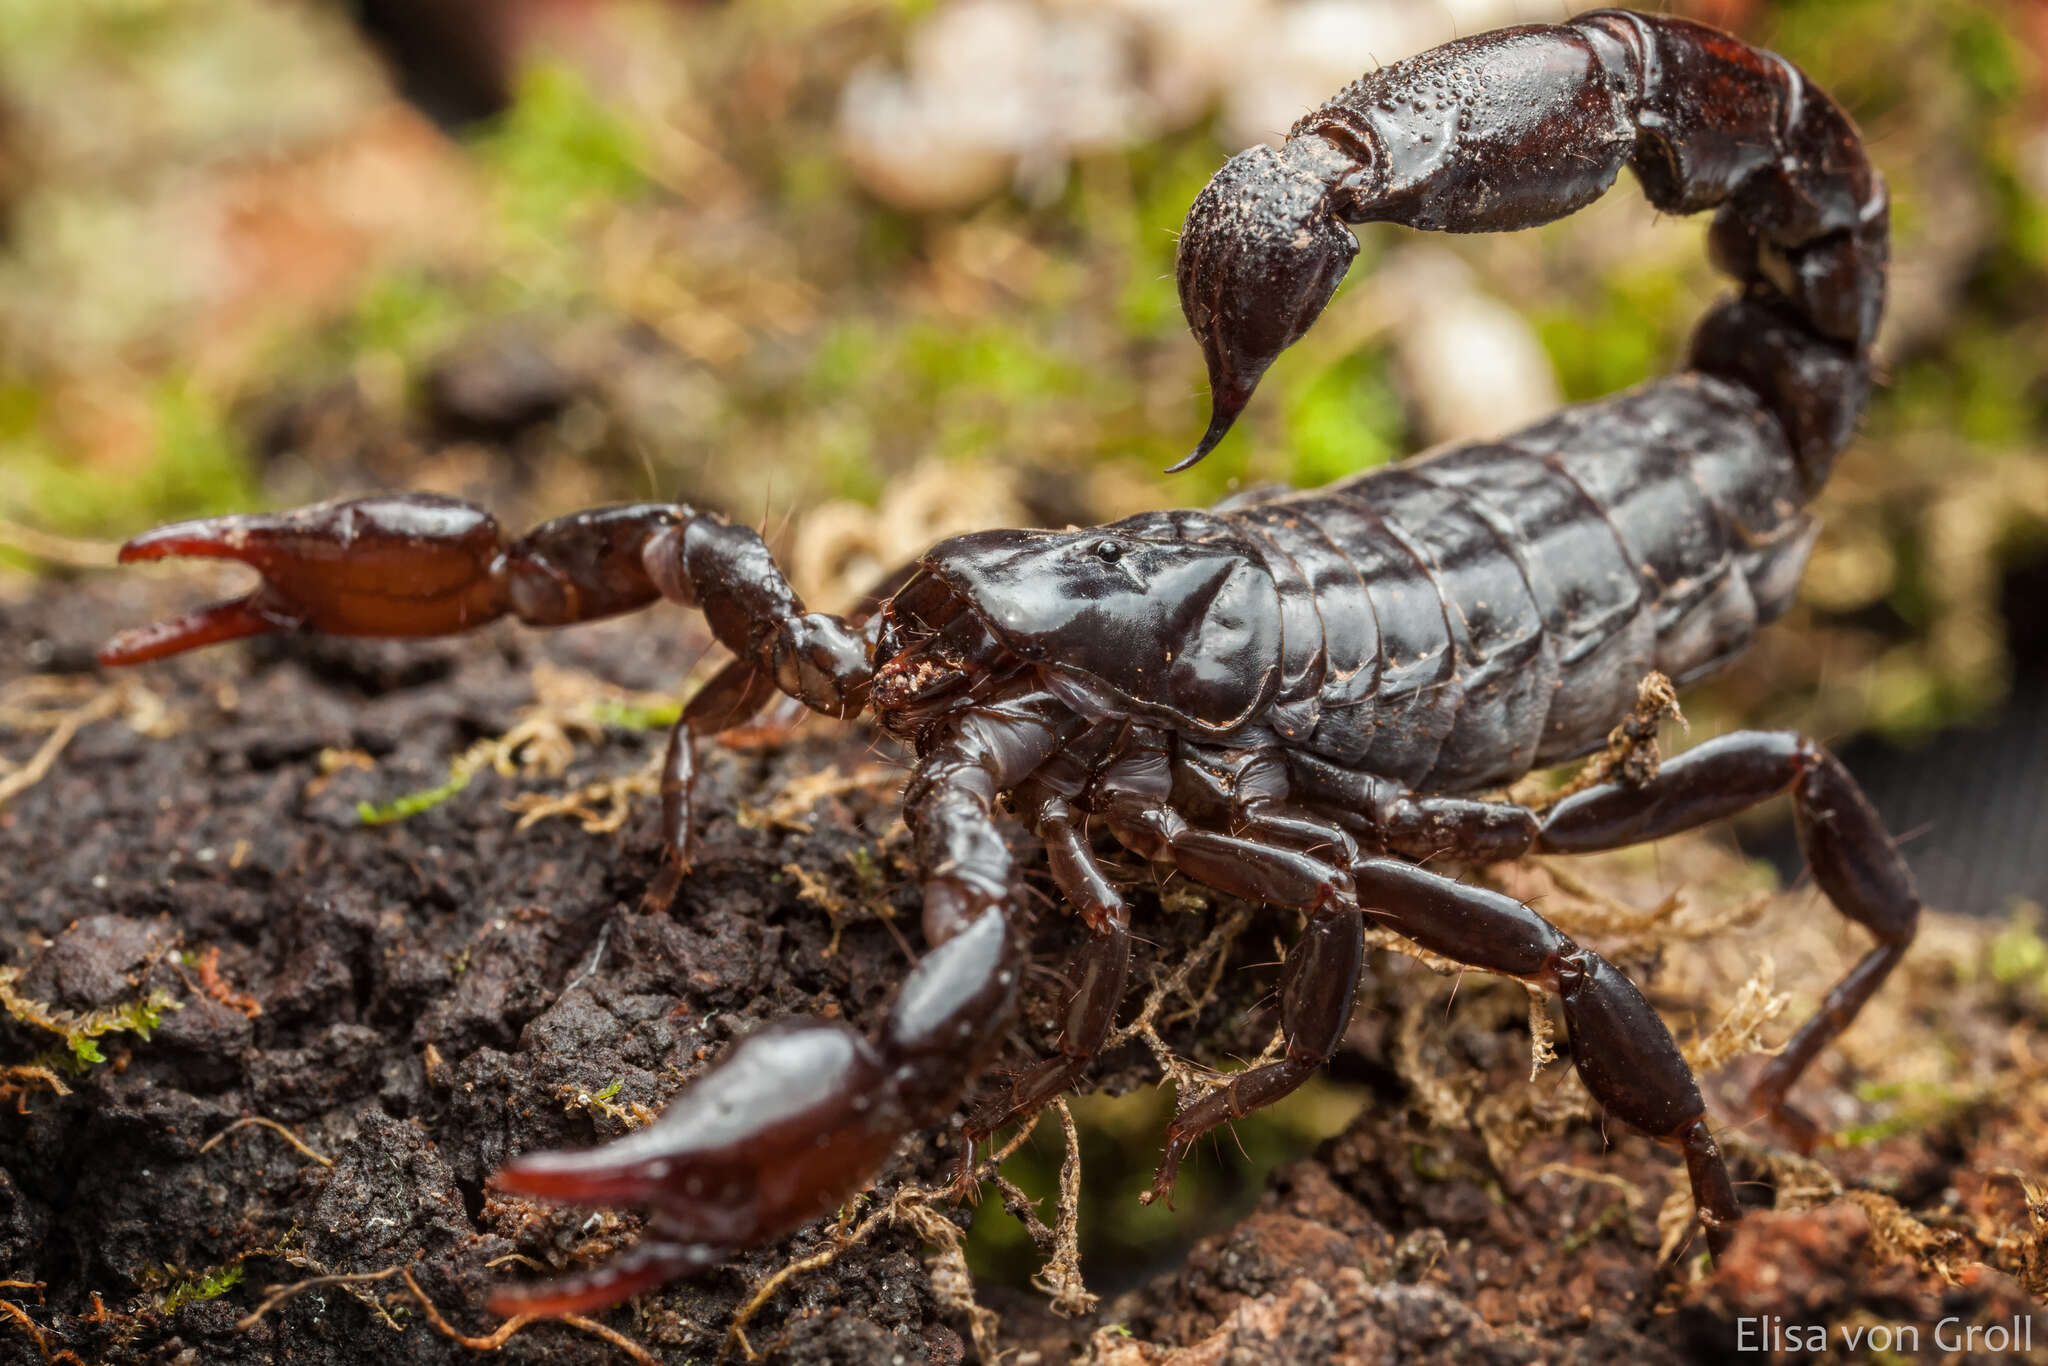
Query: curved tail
{"x": 1518, "y": 127}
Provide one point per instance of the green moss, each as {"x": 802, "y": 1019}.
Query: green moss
{"x": 196, "y": 467}
{"x": 81, "y": 1032}
{"x": 1851, "y": 47}
{"x": 406, "y": 313}
{"x": 848, "y": 357}
{"x": 2018, "y": 956}
{"x": 1164, "y": 179}
{"x": 412, "y": 803}
{"x": 1979, "y": 387}
{"x": 558, "y": 153}
{"x": 843, "y": 460}
{"x": 1986, "y": 54}
{"x": 206, "y": 1285}
{"x": 624, "y": 716}
{"x": 1915, "y": 1106}
{"x": 979, "y": 363}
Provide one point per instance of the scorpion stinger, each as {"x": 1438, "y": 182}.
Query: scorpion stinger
{"x": 1518, "y": 127}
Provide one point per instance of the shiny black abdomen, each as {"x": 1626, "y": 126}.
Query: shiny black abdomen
{"x": 1489, "y": 608}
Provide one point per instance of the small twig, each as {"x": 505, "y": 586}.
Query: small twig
{"x": 98, "y": 707}
{"x": 1542, "y": 1032}
{"x": 1061, "y": 1275}
{"x": 1631, "y": 756}
{"x": 260, "y": 1122}
{"x": 520, "y": 1259}
{"x": 280, "y": 1293}
{"x": 504, "y": 1331}
{"x": 1024, "y": 1210}
{"x": 492, "y": 1342}
{"x": 1176, "y": 980}
{"x": 71, "y": 552}
{"x": 213, "y": 985}
{"x": 1755, "y": 1006}
{"x": 14, "y": 1081}
{"x": 735, "y": 1333}
{"x": 1633, "y": 1195}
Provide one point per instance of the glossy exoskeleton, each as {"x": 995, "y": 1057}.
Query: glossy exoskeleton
{"x": 1294, "y": 699}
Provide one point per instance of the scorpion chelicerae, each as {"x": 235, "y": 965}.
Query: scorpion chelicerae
{"x": 1291, "y": 698}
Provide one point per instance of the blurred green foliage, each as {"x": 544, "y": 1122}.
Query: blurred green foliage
{"x": 197, "y": 465}
{"x": 1120, "y": 1139}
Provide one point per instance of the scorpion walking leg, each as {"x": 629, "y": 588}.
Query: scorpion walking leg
{"x": 1317, "y": 985}
{"x": 1321, "y": 973}
{"x": 1414, "y": 826}
{"x": 1852, "y": 858}
{"x": 1621, "y": 1048}
{"x": 1095, "y": 980}
{"x": 732, "y": 696}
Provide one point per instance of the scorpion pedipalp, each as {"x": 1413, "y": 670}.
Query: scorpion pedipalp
{"x": 399, "y": 564}
{"x": 782, "y": 1129}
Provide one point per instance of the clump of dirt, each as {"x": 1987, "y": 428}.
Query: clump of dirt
{"x": 253, "y": 1042}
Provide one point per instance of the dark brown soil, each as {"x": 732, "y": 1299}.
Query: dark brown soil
{"x": 417, "y": 1001}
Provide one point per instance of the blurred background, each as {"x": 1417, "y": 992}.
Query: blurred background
{"x": 867, "y": 274}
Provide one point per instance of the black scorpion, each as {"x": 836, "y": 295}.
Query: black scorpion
{"x": 1292, "y": 699}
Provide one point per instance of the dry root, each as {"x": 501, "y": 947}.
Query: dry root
{"x": 258, "y": 1121}
{"x": 64, "y": 707}
{"x": 1631, "y": 755}
{"x": 355, "y": 1282}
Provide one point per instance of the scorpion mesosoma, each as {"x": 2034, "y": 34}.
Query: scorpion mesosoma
{"x": 1295, "y": 699}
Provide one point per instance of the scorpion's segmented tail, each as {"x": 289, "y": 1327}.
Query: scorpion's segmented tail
{"x": 1514, "y": 128}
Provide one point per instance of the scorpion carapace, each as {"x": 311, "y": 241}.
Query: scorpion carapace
{"x": 1292, "y": 699}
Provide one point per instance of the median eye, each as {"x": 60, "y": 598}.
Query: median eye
{"x": 1109, "y": 552}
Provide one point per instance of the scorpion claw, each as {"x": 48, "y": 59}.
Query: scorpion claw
{"x": 796, "y": 1119}
{"x": 223, "y": 621}
{"x": 392, "y": 565}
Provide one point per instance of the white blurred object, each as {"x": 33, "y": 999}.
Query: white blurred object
{"x": 994, "y": 91}
{"x": 1303, "y": 53}
{"x": 1473, "y": 366}
{"x": 997, "y": 93}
